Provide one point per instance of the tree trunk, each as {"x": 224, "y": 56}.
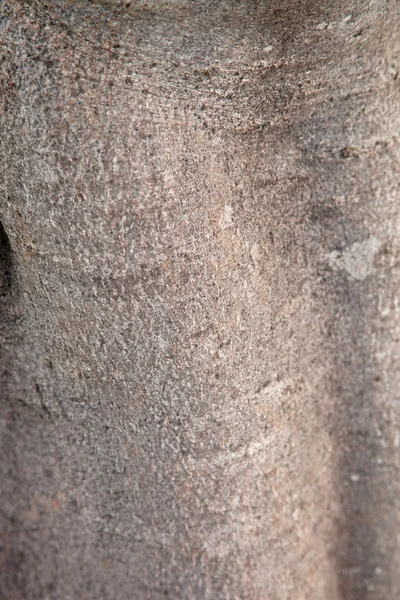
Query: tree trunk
{"x": 199, "y": 310}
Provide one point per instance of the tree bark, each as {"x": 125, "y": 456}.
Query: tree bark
{"x": 199, "y": 309}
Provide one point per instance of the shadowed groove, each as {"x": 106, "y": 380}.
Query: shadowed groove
{"x": 6, "y": 263}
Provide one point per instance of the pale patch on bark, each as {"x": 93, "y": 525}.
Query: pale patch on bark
{"x": 226, "y": 218}
{"x": 358, "y": 259}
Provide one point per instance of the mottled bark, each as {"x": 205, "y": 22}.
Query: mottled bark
{"x": 199, "y": 309}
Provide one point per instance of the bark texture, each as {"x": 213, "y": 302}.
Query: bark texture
{"x": 199, "y": 310}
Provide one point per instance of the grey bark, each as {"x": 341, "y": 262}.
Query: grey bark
{"x": 199, "y": 309}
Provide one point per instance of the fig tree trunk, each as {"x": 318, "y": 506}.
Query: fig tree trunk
{"x": 199, "y": 300}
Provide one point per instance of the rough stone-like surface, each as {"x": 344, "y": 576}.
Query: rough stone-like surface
{"x": 199, "y": 311}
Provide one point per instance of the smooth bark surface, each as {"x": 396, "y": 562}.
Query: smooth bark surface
{"x": 199, "y": 310}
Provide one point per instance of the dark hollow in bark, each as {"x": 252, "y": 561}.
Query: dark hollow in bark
{"x": 6, "y": 263}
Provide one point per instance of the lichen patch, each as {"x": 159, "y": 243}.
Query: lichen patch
{"x": 357, "y": 260}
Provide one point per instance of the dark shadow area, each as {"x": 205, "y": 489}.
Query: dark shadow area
{"x": 356, "y": 429}
{"x": 6, "y": 306}
{"x": 359, "y": 426}
{"x": 6, "y": 264}
{"x": 9, "y": 312}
